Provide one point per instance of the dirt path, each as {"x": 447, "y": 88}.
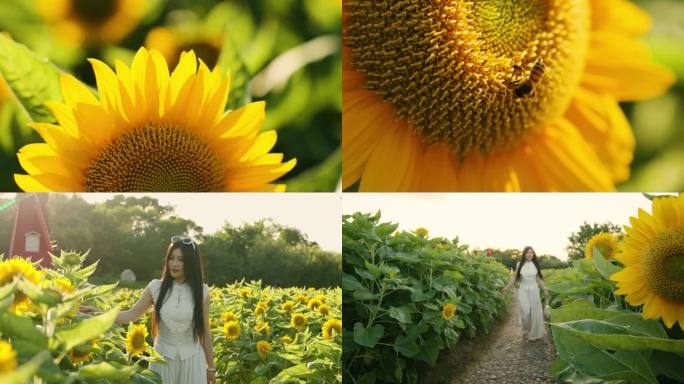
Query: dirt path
{"x": 498, "y": 358}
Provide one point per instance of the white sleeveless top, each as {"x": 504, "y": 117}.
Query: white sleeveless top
{"x": 174, "y": 337}
{"x": 528, "y": 276}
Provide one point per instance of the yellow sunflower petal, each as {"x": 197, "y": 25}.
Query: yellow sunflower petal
{"x": 606, "y": 129}
{"x": 385, "y": 171}
{"x": 75, "y": 92}
{"x": 45, "y": 182}
{"x": 243, "y": 121}
{"x": 620, "y": 66}
{"x": 247, "y": 177}
{"x": 619, "y": 16}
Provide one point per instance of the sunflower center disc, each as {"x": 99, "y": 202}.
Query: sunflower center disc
{"x": 663, "y": 265}
{"x": 156, "y": 158}
{"x": 94, "y": 11}
{"x": 447, "y": 65}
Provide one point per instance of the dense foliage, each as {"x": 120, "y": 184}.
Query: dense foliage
{"x": 406, "y": 297}
{"x": 600, "y": 338}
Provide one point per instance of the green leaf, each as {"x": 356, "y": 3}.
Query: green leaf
{"x": 430, "y": 351}
{"x": 401, "y": 314}
{"x": 607, "y": 335}
{"x": 86, "y": 330}
{"x": 364, "y": 273}
{"x": 231, "y": 62}
{"x": 350, "y": 283}
{"x": 601, "y": 363}
{"x": 406, "y": 345}
{"x": 373, "y": 269}
{"x": 565, "y": 313}
{"x": 38, "y": 294}
{"x": 33, "y": 80}
{"x": 605, "y": 267}
{"x": 368, "y": 337}
{"x": 105, "y": 370}
{"x": 23, "y": 328}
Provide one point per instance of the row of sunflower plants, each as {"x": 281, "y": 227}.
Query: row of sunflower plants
{"x": 264, "y": 334}
{"x": 618, "y": 314}
{"x": 406, "y": 297}
{"x": 45, "y": 339}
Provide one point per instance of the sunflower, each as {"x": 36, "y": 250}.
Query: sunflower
{"x": 263, "y": 328}
{"x": 171, "y": 42}
{"x": 422, "y": 232}
{"x": 136, "y": 339}
{"x": 437, "y": 94}
{"x": 287, "y": 306}
{"x": 83, "y": 353}
{"x": 263, "y": 347}
{"x": 261, "y": 307}
{"x": 232, "y": 329}
{"x": 323, "y": 309}
{"x": 228, "y": 316}
{"x": 154, "y": 132}
{"x": 286, "y": 339}
{"x": 653, "y": 255}
{"x": 8, "y": 357}
{"x": 448, "y": 311}
{"x": 314, "y": 303}
{"x": 330, "y": 326}
{"x": 298, "y": 321}
{"x": 244, "y": 292}
{"x": 15, "y": 267}
{"x": 301, "y": 298}
{"x": 605, "y": 242}
{"x": 102, "y": 21}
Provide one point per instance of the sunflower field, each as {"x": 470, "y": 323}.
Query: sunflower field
{"x": 91, "y": 91}
{"x": 406, "y": 297}
{"x": 261, "y": 334}
{"x": 617, "y": 316}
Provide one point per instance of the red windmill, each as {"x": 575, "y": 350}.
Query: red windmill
{"x": 30, "y": 236}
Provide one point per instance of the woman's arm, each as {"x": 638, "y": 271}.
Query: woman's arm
{"x": 208, "y": 345}
{"x": 542, "y": 286}
{"x": 513, "y": 278}
{"x": 137, "y": 310}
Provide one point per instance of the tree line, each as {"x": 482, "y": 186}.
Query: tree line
{"x": 128, "y": 232}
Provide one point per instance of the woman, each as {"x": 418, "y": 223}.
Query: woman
{"x": 531, "y": 280}
{"x": 180, "y": 322}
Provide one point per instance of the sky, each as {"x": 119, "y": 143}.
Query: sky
{"x": 315, "y": 214}
{"x": 501, "y": 220}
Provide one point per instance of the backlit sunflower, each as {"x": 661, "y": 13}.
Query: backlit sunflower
{"x": 653, "y": 255}
{"x": 286, "y": 339}
{"x": 422, "y": 232}
{"x": 8, "y": 357}
{"x": 263, "y": 328}
{"x": 83, "y": 353}
{"x": 14, "y": 267}
{"x": 244, "y": 292}
{"x": 151, "y": 131}
{"x": 260, "y": 308}
{"x": 323, "y": 309}
{"x": 301, "y": 298}
{"x": 287, "y": 306}
{"x": 298, "y": 320}
{"x": 231, "y": 329}
{"x": 228, "y": 316}
{"x": 171, "y": 42}
{"x": 92, "y": 21}
{"x": 263, "y": 347}
{"x": 434, "y": 94}
{"x": 605, "y": 242}
{"x": 448, "y": 311}
{"x": 136, "y": 339}
{"x": 330, "y": 326}
{"x": 314, "y": 303}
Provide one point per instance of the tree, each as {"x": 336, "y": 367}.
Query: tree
{"x": 578, "y": 240}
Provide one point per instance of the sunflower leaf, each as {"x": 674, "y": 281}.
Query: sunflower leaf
{"x": 605, "y": 267}
{"x": 32, "y": 79}
{"x": 230, "y": 60}
{"x": 86, "y": 330}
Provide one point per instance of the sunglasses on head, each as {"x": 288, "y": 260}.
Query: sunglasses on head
{"x": 183, "y": 239}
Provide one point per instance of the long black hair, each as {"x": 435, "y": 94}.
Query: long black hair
{"x": 194, "y": 276}
{"x": 523, "y": 260}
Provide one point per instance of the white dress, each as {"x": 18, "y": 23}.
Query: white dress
{"x": 531, "y": 311}
{"x": 185, "y": 356}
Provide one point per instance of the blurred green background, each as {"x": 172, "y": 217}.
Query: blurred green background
{"x": 659, "y": 123}
{"x": 286, "y": 52}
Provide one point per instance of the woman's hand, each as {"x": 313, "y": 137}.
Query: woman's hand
{"x": 211, "y": 377}
{"x": 546, "y": 294}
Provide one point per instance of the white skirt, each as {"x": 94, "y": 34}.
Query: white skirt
{"x": 176, "y": 371}
{"x": 531, "y": 312}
